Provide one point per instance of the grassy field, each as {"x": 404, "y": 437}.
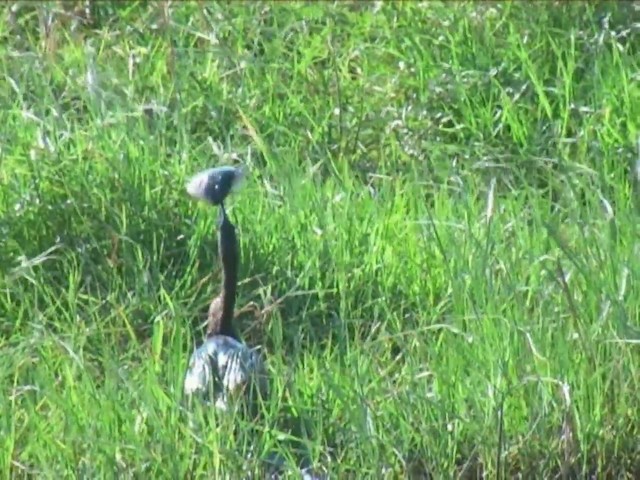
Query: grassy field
{"x": 439, "y": 236}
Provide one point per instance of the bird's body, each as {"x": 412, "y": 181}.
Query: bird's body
{"x": 224, "y": 368}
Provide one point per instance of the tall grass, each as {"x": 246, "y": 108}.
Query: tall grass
{"x": 439, "y": 235}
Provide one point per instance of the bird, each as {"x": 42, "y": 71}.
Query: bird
{"x": 214, "y": 184}
{"x": 223, "y": 369}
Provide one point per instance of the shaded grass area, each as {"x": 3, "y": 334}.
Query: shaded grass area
{"x": 439, "y": 234}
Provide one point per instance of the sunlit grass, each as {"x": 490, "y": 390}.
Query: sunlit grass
{"x": 438, "y": 230}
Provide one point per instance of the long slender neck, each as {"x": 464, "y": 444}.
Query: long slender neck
{"x": 229, "y": 257}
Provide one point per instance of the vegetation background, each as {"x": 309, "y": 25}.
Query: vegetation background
{"x": 440, "y": 249}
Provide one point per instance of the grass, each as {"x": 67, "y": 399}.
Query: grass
{"x": 440, "y": 233}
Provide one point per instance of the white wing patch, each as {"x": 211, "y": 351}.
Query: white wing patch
{"x": 199, "y": 185}
{"x": 223, "y": 368}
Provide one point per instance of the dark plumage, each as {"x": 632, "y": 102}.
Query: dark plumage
{"x": 214, "y": 184}
{"x": 223, "y": 366}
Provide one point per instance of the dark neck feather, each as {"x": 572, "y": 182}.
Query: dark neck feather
{"x": 221, "y": 321}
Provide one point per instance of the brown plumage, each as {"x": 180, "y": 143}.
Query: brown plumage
{"x": 223, "y": 367}
{"x": 222, "y": 307}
